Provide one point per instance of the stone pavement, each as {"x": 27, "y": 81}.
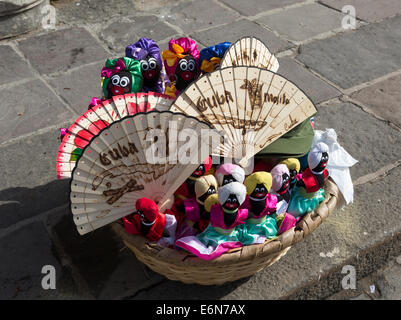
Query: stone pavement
{"x": 384, "y": 284}
{"x": 48, "y": 76}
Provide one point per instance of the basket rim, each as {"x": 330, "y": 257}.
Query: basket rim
{"x": 143, "y": 246}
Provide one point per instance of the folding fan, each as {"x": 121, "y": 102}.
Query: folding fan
{"x": 97, "y": 118}
{"x": 145, "y": 155}
{"x": 250, "y": 51}
{"x": 251, "y": 106}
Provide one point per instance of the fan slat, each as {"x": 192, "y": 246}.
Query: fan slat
{"x": 256, "y": 47}
{"x": 232, "y": 111}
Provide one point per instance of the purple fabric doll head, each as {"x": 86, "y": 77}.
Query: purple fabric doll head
{"x": 147, "y": 52}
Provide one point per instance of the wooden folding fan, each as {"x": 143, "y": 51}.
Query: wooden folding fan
{"x": 97, "y": 118}
{"x": 251, "y": 52}
{"x": 251, "y": 106}
{"x": 144, "y": 155}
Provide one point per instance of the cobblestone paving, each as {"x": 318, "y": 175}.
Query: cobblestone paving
{"x": 48, "y": 76}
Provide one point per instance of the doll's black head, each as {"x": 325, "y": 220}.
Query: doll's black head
{"x": 231, "y": 203}
{"x": 150, "y": 68}
{"x": 285, "y": 183}
{"x": 200, "y": 171}
{"x": 143, "y": 217}
{"x": 293, "y": 174}
{"x": 185, "y": 72}
{"x": 209, "y": 192}
{"x": 228, "y": 179}
{"x": 120, "y": 83}
{"x": 323, "y": 163}
{"x": 260, "y": 191}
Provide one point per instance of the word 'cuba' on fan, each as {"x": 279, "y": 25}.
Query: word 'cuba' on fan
{"x": 250, "y": 106}
{"x": 145, "y": 155}
{"x": 98, "y": 117}
{"x": 250, "y": 51}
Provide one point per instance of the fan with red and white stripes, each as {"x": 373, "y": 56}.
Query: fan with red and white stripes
{"x": 147, "y": 154}
{"x": 81, "y": 132}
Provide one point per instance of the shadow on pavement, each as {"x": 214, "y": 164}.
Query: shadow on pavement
{"x": 20, "y": 203}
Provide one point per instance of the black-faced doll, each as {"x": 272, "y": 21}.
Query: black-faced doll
{"x": 147, "y": 52}
{"x": 146, "y": 220}
{"x": 225, "y": 217}
{"x": 294, "y": 167}
{"x": 281, "y": 179}
{"x": 210, "y": 57}
{"x": 261, "y": 206}
{"x": 308, "y": 192}
{"x": 194, "y": 208}
{"x": 181, "y": 62}
{"x": 280, "y": 186}
{"x": 229, "y": 172}
{"x": 121, "y": 76}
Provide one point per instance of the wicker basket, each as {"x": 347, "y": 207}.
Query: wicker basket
{"x": 234, "y": 264}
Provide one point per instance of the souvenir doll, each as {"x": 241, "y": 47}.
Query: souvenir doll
{"x": 210, "y": 57}
{"x": 121, "y": 76}
{"x": 147, "y": 52}
{"x": 281, "y": 180}
{"x": 280, "y": 186}
{"x": 194, "y": 207}
{"x": 181, "y": 62}
{"x": 221, "y": 234}
{"x": 294, "y": 167}
{"x": 261, "y": 206}
{"x": 146, "y": 220}
{"x": 229, "y": 172}
{"x": 308, "y": 192}
{"x": 187, "y": 191}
